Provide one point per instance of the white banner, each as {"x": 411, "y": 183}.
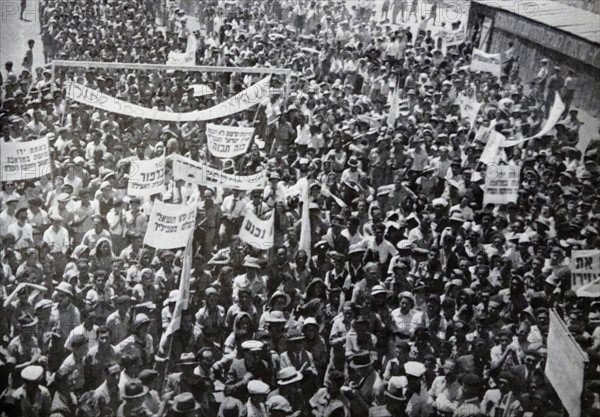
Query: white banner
{"x": 565, "y": 365}
{"x": 585, "y": 272}
{"x": 480, "y": 61}
{"x": 256, "y": 232}
{"x": 469, "y": 108}
{"x": 490, "y": 154}
{"x": 25, "y": 160}
{"x": 501, "y": 184}
{"x": 202, "y": 174}
{"x": 553, "y": 117}
{"x": 456, "y": 37}
{"x": 251, "y": 96}
{"x": 228, "y": 141}
{"x": 146, "y": 177}
{"x": 170, "y": 225}
{"x": 182, "y": 58}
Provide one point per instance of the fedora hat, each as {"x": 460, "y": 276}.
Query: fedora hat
{"x": 276, "y": 294}
{"x": 184, "y": 403}
{"x": 187, "y": 359}
{"x": 276, "y": 317}
{"x": 134, "y": 388}
{"x": 361, "y": 360}
{"x": 396, "y": 389}
{"x": 288, "y": 376}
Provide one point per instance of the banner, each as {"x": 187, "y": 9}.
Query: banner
{"x": 256, "y": 232}
{"x": 305, "y": 232}
{"x": 170, "y": 225}
{"x": 201, "y": 90}
{"x": 553, "y": 117}
{"x": 565, "y": 365}
{"x": 202, "y": 174}
{"x": 585, "y": 272}
{"x": 480, "y": 61}
{"x": 187, "y": 58}
{"x": 251, "y": 96}
{"x": 146, "y": 177}
{"x": 456, "y": 37}
{"x": 25, "y": 160}
{"x": 501, "y": 184}
{"x": 490, "y": 154}
{"x": 183, "y": 296}
{"x": 228, "y": 141}
{"x": 469, "y": 108}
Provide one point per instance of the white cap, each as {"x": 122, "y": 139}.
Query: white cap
{"x": 256, "y": 387}
{"x": 413, "y": 368}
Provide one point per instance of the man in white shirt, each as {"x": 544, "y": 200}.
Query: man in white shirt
{"x": 21, "y": 230}
{"x": 379, "y": 244}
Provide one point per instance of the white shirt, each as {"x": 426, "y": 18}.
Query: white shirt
{"x": 58, "y": 241}
{"x": 90, "y": 335}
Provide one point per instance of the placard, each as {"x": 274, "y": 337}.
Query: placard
{"x": 146, "y": 177}
{"x": 456, "y": 37}
{"x": 25, "y": 160}
{"x": 585, "y": 272}
{"x": 256, "y": 232}
{"x": 501, "y": 184}
{"x": 469, "y": 108}
{"x": 202, "y": 174}
{"x": 490, "y": 154}
{"x": 480, "y": 61}
{"x": 228, "y": 141}
{"x": 170, "y": 225}
{"x": 565, "y": 365}
{"x": 245, "y": 99}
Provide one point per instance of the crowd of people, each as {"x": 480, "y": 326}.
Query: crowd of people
{"x": 413, "y": 297}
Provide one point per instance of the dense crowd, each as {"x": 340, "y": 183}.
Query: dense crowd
{"x": 413, "y": 299}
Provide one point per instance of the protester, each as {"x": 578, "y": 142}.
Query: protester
{"x": 390, "y": 287}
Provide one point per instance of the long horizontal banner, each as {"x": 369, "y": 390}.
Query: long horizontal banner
{"x": 228, "y": 141}
{"x": 242, "y": 101}
{"x": 170, "y": 225}
{"x": 25, "y": 160}
{"x": 200, "y": 173}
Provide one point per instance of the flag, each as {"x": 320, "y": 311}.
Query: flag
{"x": 184, "y": 293}
{"x": 305, "y": 233}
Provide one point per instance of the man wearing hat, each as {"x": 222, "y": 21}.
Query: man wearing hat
{"x": 34, "y": 399}
{"x": 289, "y": 381}
{"x": 301, "y": 359}
{"x": 140, "y": 338}
{"x": 366, "y": 387}
{"x": 257, "y": 391}
{"x": 395, "y": 399}
{"x": 185, "y": 380}
{"x": 418, "y": 399}
{"x": 64, "y": 316}
{"x": 250, "y": 366}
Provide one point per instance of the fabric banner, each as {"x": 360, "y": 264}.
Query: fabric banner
{"x": 245, "y": 99}
{"x": 469, "y": 108}
{"x": 585, "y": 272}
{"x": 183, "y": 296}
{"x": 480, "y": 61}
{"x": 490, "y": 154}
{"x": 187, "y": 58}
{"x": 456, "y": 37}
{"x": 201, "y": 90}
{"x": 146, "y": 177}
{"x": 202, "y": 174}
{"x": 501, "y": 184}
{"x": 228, "y": 141}
{"x": 553, "y": 117}
{"x": 256, "y": 232}
{"x": 25, "y": 160}
{"x": 565, "y": 365}
{"x": 170, "y": 225}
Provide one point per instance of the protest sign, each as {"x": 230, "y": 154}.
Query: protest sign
{"x": 228, "y": 141}
{"x": 556, "y": 112}
{"x": 469, "y": 108}
{"x": 201, "y": 90}
{"x": 170, "y": 225}
{"x": 455, "y": 37}
{"x": 202, "y": 174}
{"x": 256, "y": 232}
{"x": 565, "y": 365}
{"x": 146, "y": 177}
{"x": 490, "y": 154}
{"x": 585, "y": 272}
{"x": 25, "y": 160}
{"x": 181, "y": 58}
{"x": 501, "y": 184}
{"x": 245, "y": 99}
{"x": 486, "y": 62}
